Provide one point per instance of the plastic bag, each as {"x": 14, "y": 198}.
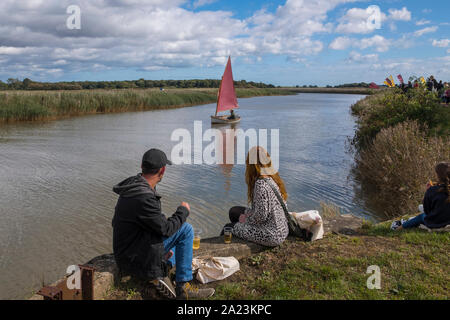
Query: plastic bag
{"x": 214, "y": 268}
{"x": 312, "y": 221}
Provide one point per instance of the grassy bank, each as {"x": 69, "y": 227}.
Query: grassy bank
{"x": 399, "y": 140}
{"x": 49, "y": 105}
{"x": 414, "y": 264}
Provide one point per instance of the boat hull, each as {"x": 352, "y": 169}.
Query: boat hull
{"x": 223, "y": 120}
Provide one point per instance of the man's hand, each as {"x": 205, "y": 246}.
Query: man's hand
{"x": 186, "y": 205}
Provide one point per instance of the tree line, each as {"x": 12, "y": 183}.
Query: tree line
{"x": 28, "y": 84}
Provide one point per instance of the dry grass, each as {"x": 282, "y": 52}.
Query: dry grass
{"x": 329, "y": 210}
{"x": 396, "y": 166}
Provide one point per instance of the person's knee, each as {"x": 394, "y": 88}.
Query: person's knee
{"x": 188, "y": 230}
{"x": 235, "y": 212}
{"x": 232, "y": 214}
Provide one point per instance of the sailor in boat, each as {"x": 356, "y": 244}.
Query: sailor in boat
{"x": 232, "y": 115}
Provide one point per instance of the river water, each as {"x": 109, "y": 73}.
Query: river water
{"x": 56, "y": 178}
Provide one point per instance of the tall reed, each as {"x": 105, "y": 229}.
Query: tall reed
{"x": 41, "y": 105}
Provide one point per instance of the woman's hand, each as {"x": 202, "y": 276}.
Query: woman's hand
{"x": 429, "y": 184}
{"x": 242, "y": 218}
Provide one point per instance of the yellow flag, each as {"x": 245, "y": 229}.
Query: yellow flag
{"x": 422, "y": 80}
{"x": 392, "y": 80}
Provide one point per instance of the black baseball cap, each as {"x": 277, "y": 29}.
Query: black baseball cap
{"x": 155, "y": 159}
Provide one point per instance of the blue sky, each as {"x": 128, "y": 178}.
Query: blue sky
{"x": 291, "y": 42}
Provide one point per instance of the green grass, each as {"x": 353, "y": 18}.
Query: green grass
{"x": 47, "y": 105}
{"x": 414, "y": 264}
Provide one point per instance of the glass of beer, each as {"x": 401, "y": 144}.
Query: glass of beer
{"x": 197, "y": 237}
{"x": 227, "y": 234}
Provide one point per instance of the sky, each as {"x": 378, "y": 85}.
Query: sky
{"x": 289, "y": 42}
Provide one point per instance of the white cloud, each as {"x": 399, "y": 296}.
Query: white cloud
{"x": 423, "y": 31}
{"x": 401, "y": 15}
{"x": 377, "y": 42}
{"x": 380, "y": 43}
{"x": 443, "y": 43}
{"x": 152, "y": 34}
{"x": 357, "y": 57}
{"x": 341, "y": 43}
{"x": 356, "y": 21}
{"x": 201, "y": 3}
{"x": 11, "y": 50}
{"x": 422, "y": 22}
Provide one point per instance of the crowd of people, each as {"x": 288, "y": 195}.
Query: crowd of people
{"x": 147, "y": 243}
{"x": 442, "y": 89}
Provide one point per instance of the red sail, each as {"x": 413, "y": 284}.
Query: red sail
{"x": 227, "y": 95}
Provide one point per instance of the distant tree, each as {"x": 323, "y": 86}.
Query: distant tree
{"x": 140, "y": 83}
{"x": 3, "y": 86}
{"x": 14, "y": 83}
{"x": 26, "y": 83}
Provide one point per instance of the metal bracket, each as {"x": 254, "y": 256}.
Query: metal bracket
{"x": 61, "y": 292}
{"x": 51, "y": 293}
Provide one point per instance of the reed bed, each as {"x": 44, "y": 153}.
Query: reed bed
{"x": 48, "y": 105}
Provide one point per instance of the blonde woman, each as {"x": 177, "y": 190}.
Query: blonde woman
{"x": 264, "y": 222}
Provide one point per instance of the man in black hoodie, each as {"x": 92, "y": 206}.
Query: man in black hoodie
{"x": 144, "y": 240}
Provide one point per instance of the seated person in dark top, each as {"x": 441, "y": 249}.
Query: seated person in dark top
{"x": 436, "y": 203}
{"x": 232, "y": 115}
{"x": 145, "y": 241}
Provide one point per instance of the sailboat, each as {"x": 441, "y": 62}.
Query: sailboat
{"x": 226, "y": 99}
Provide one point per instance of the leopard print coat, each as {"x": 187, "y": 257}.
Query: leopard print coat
{"x": 266, "y": 222}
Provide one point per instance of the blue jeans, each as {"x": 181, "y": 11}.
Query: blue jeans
{"x": 414, "y": 222}
{"x": 181, "y": 245}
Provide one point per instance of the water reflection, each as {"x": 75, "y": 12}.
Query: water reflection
{"x": 226, "y": 150}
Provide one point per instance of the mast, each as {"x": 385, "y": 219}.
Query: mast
{"x": 218, "y": 96}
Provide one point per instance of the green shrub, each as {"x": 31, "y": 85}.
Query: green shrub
{"x": 392, "y": 107}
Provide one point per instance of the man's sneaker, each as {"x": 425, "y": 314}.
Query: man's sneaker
{"x": 189, "y": 291}
{"x": 165, "y": 288}
{"x": 396, "y": 224}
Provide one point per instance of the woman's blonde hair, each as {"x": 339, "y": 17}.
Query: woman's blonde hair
{"x": 259, "y": 164}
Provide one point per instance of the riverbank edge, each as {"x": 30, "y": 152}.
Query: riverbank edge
{"x": 35, "y": 106}
{"x": 106, "y": 276}
{"x": 413, "y": 265}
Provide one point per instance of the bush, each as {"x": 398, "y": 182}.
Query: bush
{"x": 392, "y": 107}
{"x": 395, "y": 167}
